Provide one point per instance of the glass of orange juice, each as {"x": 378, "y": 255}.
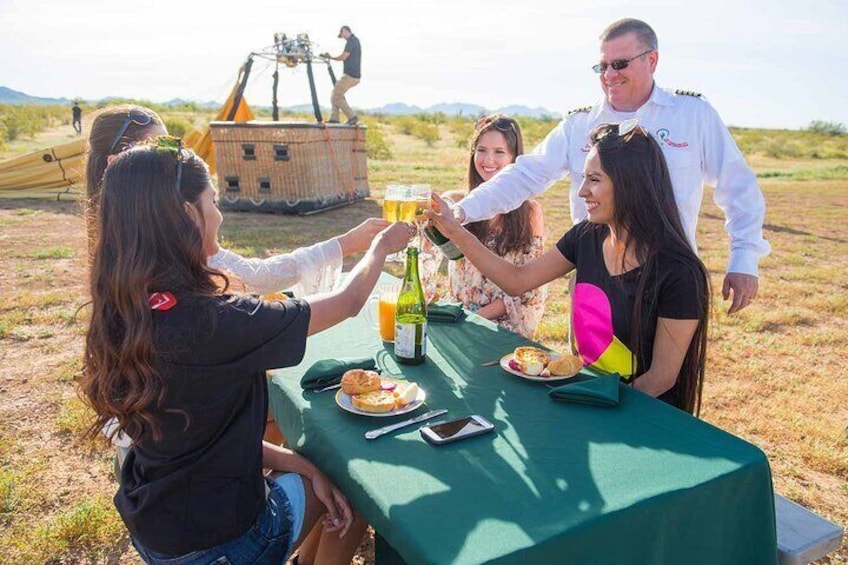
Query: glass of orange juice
{"x": 384, "y": 301}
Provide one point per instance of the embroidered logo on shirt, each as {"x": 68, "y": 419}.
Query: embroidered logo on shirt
{"x": 663, "y": 135}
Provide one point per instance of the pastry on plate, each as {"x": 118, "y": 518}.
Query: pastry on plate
{"x": 527, "y": 353}
{"x": 531, "y": 360}
{"x": 566, "y": 365}
{"x": 375, "y": 402}
{"x": 358, "y": 381}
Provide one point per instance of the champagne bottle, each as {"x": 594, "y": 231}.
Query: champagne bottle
{"x": 448, "y": 248}
{"x": 411, "y": 315}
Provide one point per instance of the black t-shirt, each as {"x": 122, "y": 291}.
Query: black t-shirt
{"x": 603, "y": 305}
{"x": 354, "y": 60}
{"x": 201, "y": 485}
{"x": 77, "y": 112}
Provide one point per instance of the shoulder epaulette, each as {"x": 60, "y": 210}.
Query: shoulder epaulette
{"x": 682, "y": 92}
{"x": 579, "y": 110}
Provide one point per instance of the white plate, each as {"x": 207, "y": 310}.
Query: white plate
{"x": 343, "y": 400}
{"x": 505, "y": 366}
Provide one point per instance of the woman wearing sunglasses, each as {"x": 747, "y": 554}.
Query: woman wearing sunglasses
{"x": 305, "y": 271}
{"x": 641, "y": 297}
{"x": 516, "y": 236}
{"x": 180, "y": 363}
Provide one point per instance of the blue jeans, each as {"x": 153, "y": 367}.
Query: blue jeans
{"x": 269, "y": 540}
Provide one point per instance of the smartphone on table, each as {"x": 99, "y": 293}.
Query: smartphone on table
{"x": 439, "y": 433}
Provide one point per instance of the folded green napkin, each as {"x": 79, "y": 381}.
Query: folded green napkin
{"x": 328, "y": 372}
{"x": 444, "y": 312}
{"x": 599, "y": 391}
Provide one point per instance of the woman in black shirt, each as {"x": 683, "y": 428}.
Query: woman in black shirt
{"x": 180, "y": 364}
{"x": 641, "y": 297}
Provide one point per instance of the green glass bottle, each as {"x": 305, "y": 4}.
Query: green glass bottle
{"x": 411, "y": 315}
{"x": 447, "y": 247}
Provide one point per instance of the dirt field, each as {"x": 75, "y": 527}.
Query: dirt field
{"x": 776, "y": 372}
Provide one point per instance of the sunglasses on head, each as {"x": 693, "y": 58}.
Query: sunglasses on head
{"x": 623, "y": 131}
{"x": 502, "y": 124}
{"x": 618, "y": 64}
{"x": 135, "y": 116}
{"x": 174, "y": 146}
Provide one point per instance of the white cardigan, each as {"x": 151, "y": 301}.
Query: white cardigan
{"x": 305, "y": 271}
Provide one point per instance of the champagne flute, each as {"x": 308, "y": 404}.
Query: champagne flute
{"x": 398, "y": 206}
{"x": 421, "y": 193}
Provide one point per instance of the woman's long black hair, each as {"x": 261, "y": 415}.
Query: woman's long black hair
{"x": 646, "y": 211}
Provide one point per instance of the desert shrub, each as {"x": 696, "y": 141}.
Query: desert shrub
{"x": 436, "y": 118}
{"x": 419, "y": 126}
{"x": 29, "y": 120}
{"x": 787, "y": 144}
{"x": 406, "y": 124}
{"x": 376, "y": 145}
{"x": 19, "y": 121}
{"x": 115, "y": 101}
{"x": 462, "y": 129}
{"x": 429, "y": 133}
{"x": 9, "y": 498}
{"x": 91, "y": 528}
{"x": 532, "y": 129}
{"x": 177, "y": 126}
{"x": 535, "y": 130}
{"x": 827, "y": 128}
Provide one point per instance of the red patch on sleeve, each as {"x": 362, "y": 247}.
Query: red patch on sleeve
{"x": 162, "y": 301}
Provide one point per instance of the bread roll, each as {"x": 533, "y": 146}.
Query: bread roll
{"x": 359, "y": 381}
{"x": 565, "y": 366}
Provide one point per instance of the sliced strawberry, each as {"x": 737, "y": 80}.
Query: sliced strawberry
{"x": 388, "y": 385}
{"x": 513, "y": 364}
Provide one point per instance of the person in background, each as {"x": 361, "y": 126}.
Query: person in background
{"x": 352, "y": 57}
{"x": 696, "y": 144}
{"x": 641, "y": 298}
{"x": 179, "y": 362}
{"x": 305, "y": 271}
{"x": 517, "y": 236}
{"x": 77, "y": 118}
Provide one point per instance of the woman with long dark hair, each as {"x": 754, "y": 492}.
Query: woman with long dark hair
{"x": 307, "y": 270}
{"x": 641, "y": 298}
{"x": 180, "y": 364}
{"x": 516, "y": 236}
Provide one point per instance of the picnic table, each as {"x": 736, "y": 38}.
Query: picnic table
{"x": 642, "y": 482}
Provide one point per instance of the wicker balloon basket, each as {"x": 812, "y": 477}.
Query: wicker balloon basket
{"x": 288, "y": 167}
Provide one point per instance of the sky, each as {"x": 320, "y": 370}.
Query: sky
{"x": 761, "y": 63}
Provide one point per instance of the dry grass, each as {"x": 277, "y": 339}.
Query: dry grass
{"x": 776, "y": 374}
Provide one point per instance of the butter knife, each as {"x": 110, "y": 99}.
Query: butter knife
{"x": 373, "y": 434}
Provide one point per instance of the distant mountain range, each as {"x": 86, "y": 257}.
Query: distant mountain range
{"x": 13, "y": 97}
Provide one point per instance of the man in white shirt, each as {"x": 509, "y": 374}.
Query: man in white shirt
{"x": 697, "y": 146}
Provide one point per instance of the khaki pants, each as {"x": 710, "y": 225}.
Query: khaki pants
{"x": 338, "y": 100}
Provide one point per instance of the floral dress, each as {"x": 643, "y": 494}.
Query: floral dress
{"x": 469, "y": 286}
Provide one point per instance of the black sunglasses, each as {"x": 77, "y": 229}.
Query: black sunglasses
{"x": 618, "y": 64}
{"x": 134, "y": 116}
{"x": 622, "y": 132}
{"x": 502, "y": 124}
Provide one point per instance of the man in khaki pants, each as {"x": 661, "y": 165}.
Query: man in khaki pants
{"x": 352, "y": 57}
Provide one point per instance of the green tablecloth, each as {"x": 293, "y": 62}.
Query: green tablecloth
{"x": 556, "y": 482}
